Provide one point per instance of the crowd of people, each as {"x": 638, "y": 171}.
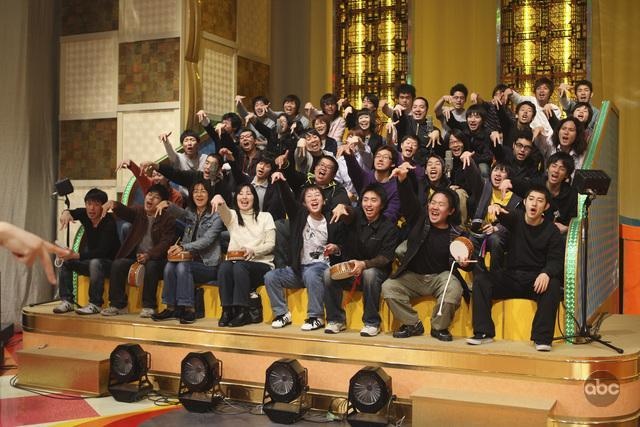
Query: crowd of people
{"x": 288, "y": 198}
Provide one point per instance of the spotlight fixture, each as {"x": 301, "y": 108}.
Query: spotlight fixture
{"x": 128, "y": 381}
{"x": 285, "y": 391}
{"x": 370, "y": 396}
{"x": 200, "y": 376}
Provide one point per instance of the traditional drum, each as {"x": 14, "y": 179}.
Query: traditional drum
{"x": 342, "y": 270}
{"x": 235, "y": 255}
{"x": 461, "y": 248}
{"x": 136, "y": 275}
{"x": 180, "y": 256}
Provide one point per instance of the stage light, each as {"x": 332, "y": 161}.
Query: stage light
{"x": 285, "y": 391}
{"x": 200, "y": 376}
{"x": 128, "y": 367}
{"x": 370, "y": 395}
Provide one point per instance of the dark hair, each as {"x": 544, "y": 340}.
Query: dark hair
{"x": 454, "y": 203}
{"x": 409, "y": 136}
{"x": 259, "y": 98}
{"x": 426, "y": 103}
{"x": 503, "y": 167}
{"x": 306, "y": 189}
{"x": 236, "y": 121}
{"x": 323, "y": 118}
{"x": 524, "y": 134}
{"x": 266, "y": 158}
{"x": 499, "y": 87}
{"x": 207, "y": 186}
{"x": 256, "y": 202}
{"x": 459, "y": 87}
{"x": 377, "y": 188}
{"x": 373, "y": 98}
{"x": 543, "y": 81}
{"x": 96, "y": 195}
{"x": 187, "y": 133}
{"x": 328, "y": 98}
{"x": 565, "y": 158}
{"x": 243, "y": 130}
{"x": 528, "y": 103}
{"x": 159, "y": 189}
{"x": 589, "y": 109}
{"x": 391, "y": 150}
{"x": 460, "y": 135}
{"x": 372, "y": 119}
{"x": 292, "y": 98}
{"x": 404, "y": 88}
{"x": 580, "y": 143}
{"x": 583, "y": 82}
{"x": 539, "y": 188}
{"x": 479, "y": 110}
{"x": 333, "y": 161}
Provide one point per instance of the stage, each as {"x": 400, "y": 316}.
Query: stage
{"x": 430, "y": 377}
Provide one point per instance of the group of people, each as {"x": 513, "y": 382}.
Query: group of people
{"x": 287, "y": 195}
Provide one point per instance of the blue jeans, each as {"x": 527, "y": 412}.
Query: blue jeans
{"x": 311, "y": 278}
{"x": 371, "y": 283}
{"x": 179, "y": 280}
{"x": 97, "y": 269}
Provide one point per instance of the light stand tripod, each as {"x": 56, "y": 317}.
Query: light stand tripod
{"x": 591, "y": 183}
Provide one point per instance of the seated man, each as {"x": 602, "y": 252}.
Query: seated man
{"x": 147, "y": 243}
{"x": 369, "y": 245}
{"x": 534, "y": 269}
{"x": 95, "y": 259}
{"x": 424, "y": 269}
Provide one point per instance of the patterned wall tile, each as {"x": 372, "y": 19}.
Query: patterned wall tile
{"x": 142, "y": 19}
{"x": 88, "y": 149}
{"x": 218, "y": 88}
{"x": 81, "y": 16}
{"x": 253, "y": 79}
{"x": 88, "y": 76}
{"x": 149, "y": 71}
{"x": 219, "y": 18}
{"x": 139, "y": 134}
{"x": 253, "y": 28}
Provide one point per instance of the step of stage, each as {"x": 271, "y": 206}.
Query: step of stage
{"x": 504, "y": 367}
{"x": 479, "y": 408}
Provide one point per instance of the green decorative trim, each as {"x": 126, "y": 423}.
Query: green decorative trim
{"x": 127, "y": 191}
{"x": 76, "y": 248}
{"x": 571, "y": 274}
{"x": 595, "y": 138}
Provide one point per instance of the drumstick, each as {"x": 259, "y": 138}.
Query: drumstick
{"x": 445, "y": 288}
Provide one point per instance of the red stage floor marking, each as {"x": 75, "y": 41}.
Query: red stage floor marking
{"x": 39, "y": 409}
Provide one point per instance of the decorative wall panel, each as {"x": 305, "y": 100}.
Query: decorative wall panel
{"x": 218, "y": 71}
{"x": 88, "y": 149}
{"x": 149, "y": 71}
{"x": 146, "y": 19}
{"x": 253, "y": 79}
{"x": 219, "y": 18}
{"x": 82, "y": 16}
{"x": 253, "y": 28}
{"x": 88, "y": 76}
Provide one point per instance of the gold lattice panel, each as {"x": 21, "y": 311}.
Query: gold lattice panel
{"x": 82, "y": 16}
{"x": 253, "y": 25}
{"x": 88, "y": 75}
{"x": 253, "y": 78}
{"x": 542, "y": 38}
{"x": 138, "y": 136}
{"x": 219, "y": 17}
{"x": 218, "y": 76}
{"x": 88, "y": 148}
{"x": 149, "y": 19}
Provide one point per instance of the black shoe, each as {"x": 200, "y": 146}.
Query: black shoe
{"x": 225, "y": 318}
{"x": 407, "y": 331}
{"x": 241, "y": 318}
{"x": 188, "y": 316}
{"x": 166, "y": 314}
{"x": 441, "y": 334}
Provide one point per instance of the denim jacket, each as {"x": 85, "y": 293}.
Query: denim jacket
{"x": 206, "y": 243}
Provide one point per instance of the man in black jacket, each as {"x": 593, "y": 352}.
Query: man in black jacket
{"x": 534, "y": 270}
{"x": 424, "y": 269}
{"x": 95, "y": 258}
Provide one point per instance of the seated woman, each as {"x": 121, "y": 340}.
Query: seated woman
{"x": 201, "y": 240}
{"x": 253, "y": 233}
{"x": 567, "y": 137}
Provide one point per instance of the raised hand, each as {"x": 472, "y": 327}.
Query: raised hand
{"x": 282, "y": 159}
{"x": 216, "y": 202}
{"x": 108, "y": 207}
{"x": 338, "y": 212}
{"x": 465, "y": 158}
{"x": 65, "y": 219}
{"x": 164, "y": 137}
{"x": 202, "y": 118}
{"x": 495, "y": 138}
{"x": 277, "y": 176}
{"x": 402, "y": 171}
{"x": 434, "y": 138}
{"x": 239, "y": 99}
{"x": 161, "y": 207}
{"x": 226, "y": 154}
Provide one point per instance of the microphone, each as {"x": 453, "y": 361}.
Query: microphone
{"x": 448, "y": 163}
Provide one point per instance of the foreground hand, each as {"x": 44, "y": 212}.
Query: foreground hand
{"x": 216, "y": 202}
{"x": 249, "y": 253}
{"x": 331, "y": 249}
{"x": 505, "y": 186}
{"x": 174, "y": 250}
{"x": 434, "y": 138}
{"x": 164, "y": 137}
{"x": 282, "y": 160}
{"x": 495, "y": 138}
{"x": 108, "y": 207}
{"x": 65, "y": 219}
{"x": 402, "y": 171}
{"x": 338, "y": 212}
{"x": 541, "y": 283}
{"x": 358, "y": 267}
{"x": 277, "y": 176}
{"x": 202, "y": 118}
{"x": 226, "y": 154}
{"x": 27, "y": 247}
{"x": 142, "y": 258}
{"x": 495, "y": 210}
{"x": 160, "y": 207}
{"x": 465, "y": 158}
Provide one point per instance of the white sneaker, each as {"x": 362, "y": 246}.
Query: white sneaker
{"x": 479, "y": 339}
{"x": 63, "y": 307}
{"x": 282, "y": 320}
{"x": 114, "y": 311}
{"x": 146, "y": 313}
{"x": 334, "y": 327}
{"x": 90, "y": 308}
{"x": 369, "y": 331}
{"x": 543, "y": 347}
{"x": 312, "y": 323}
